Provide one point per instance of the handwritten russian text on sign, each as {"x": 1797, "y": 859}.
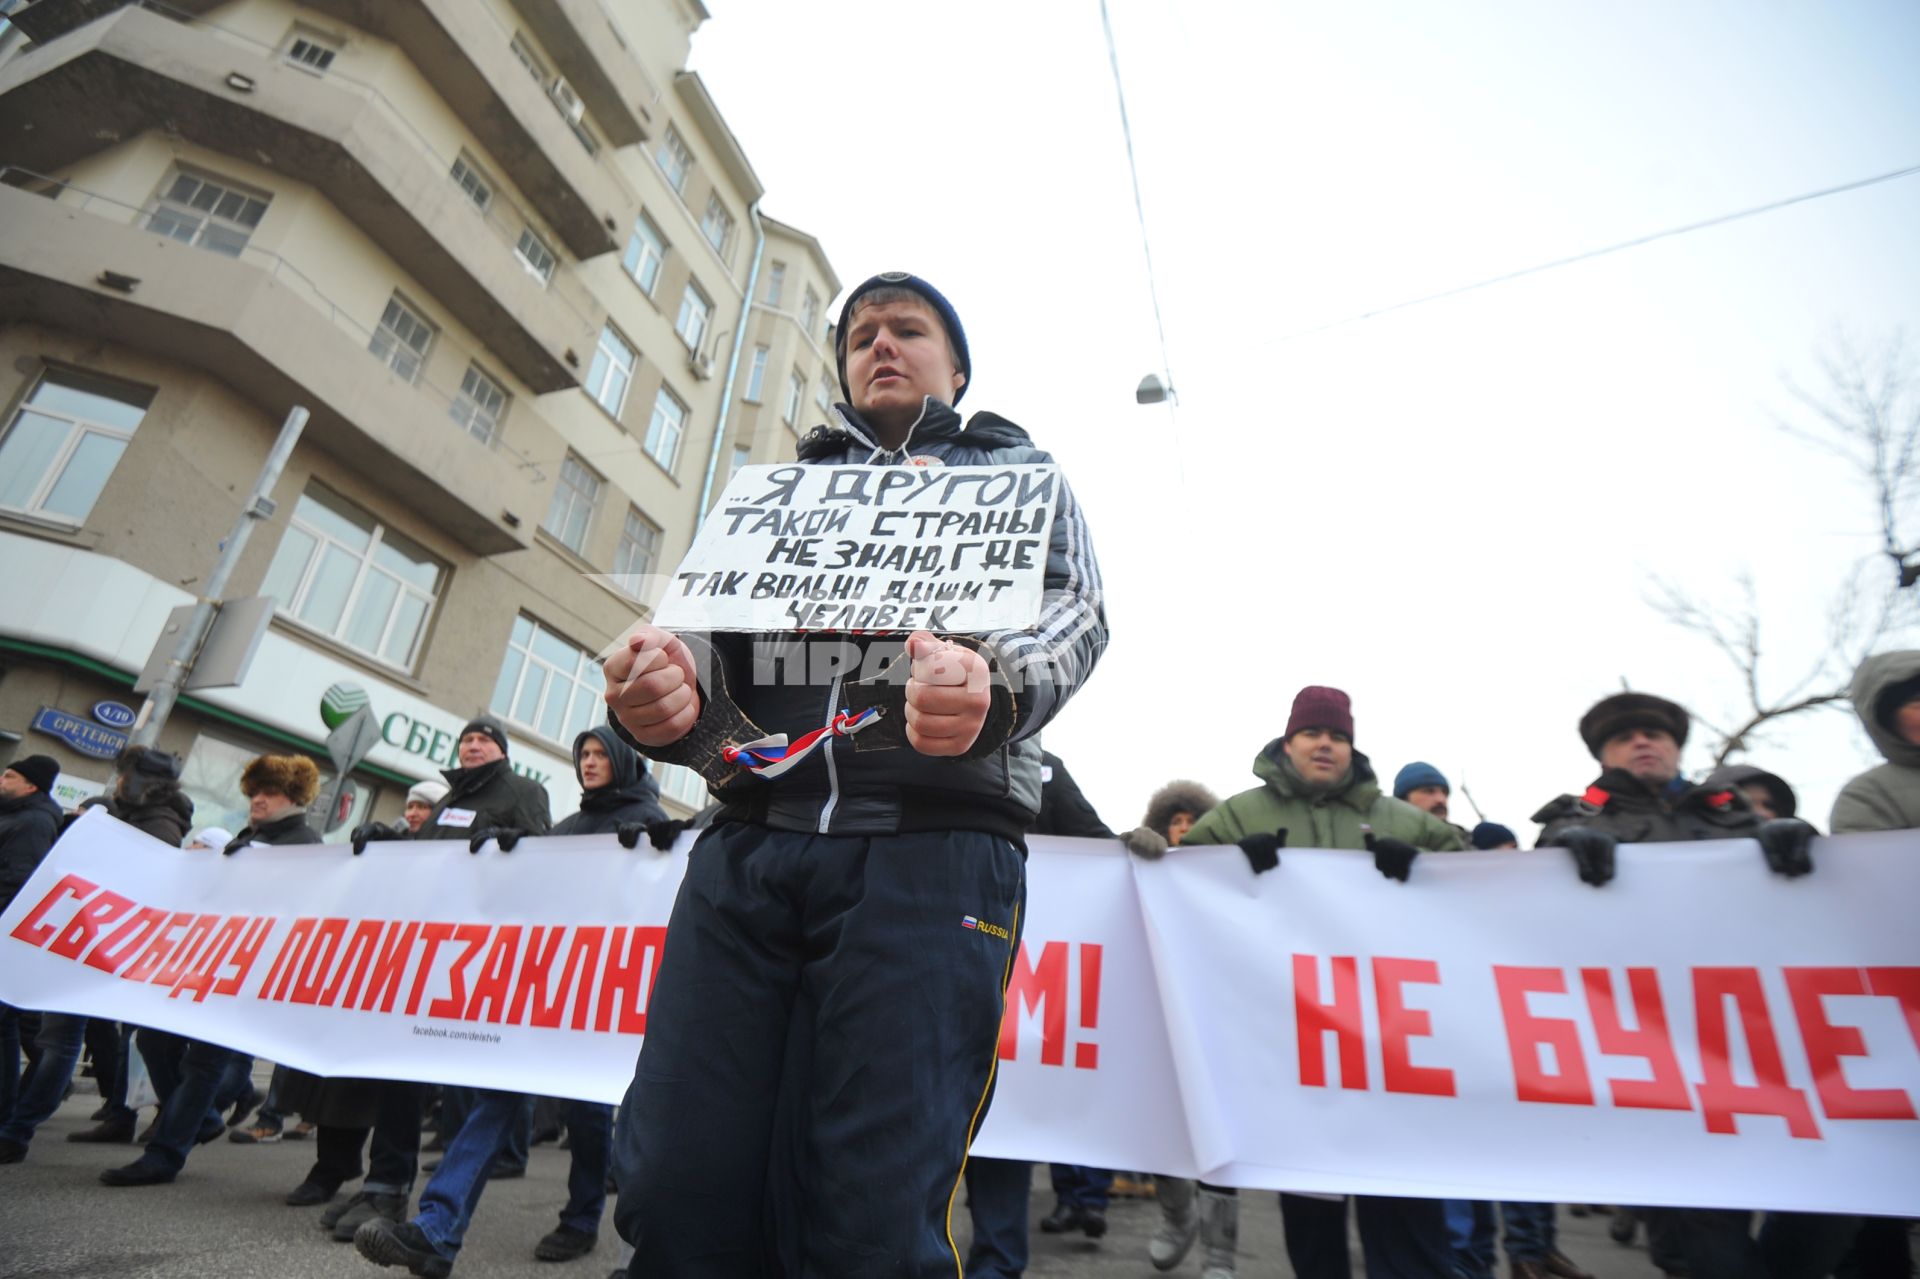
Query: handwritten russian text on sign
{"x": 955, "y": 549}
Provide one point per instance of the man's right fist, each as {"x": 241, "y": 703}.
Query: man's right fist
{"x": 652, "y": 687}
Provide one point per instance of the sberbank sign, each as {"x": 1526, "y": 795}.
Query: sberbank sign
{"x": 438, "y": 746}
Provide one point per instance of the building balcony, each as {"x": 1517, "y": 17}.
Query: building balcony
{"x": 46, "y": 20}
{"x": 132, "y": 71}
{"x": 259, "y": 325}
{"x": 597, "y": 60}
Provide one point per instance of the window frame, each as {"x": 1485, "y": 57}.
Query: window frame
{"x": 655, "y": 428}
{"x": 591, "y": 497}
{"x": 810, "y": 312}
{"x": 380, "y": 329}
{"x": 776, "y": 284}
{"x": 481, "y": 178}
{"x": 208, "y": 219}
{"x": 584, "y": 677}
{"x": 314, "y": 38}
{"x": 717, "y": 218}
{"x": 632, "y": 547}
{"x": 796, "y": 396}
{"x": 655, "y": 243}
{"x": 630, "y": 368}
{"x": 77, "y": 430}
{"x": 528, "y": 262}
{"x": 683, "y": 157}
{"x": 757, "y": 375}
{"x": 495, "y": 417}
{"x": 704, "y": 310}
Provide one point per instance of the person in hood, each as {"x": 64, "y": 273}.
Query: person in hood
{"x": 1318, "y": 791}
{"x": 1767, "y": 794}
{"x": 618, "y": 796}
{"x": 1886, "y": 697}
{"x": 30, "y": 821}
{"x": 854, "y": 1054}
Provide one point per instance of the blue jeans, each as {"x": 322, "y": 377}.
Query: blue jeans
{"x": 1081, "y": 1187}
{"x": 447, "y": 1203}
{"x": 1531, "y": 1233}
{"x": 41, "y": 1092}
{"x": 590, "y": 1137}
{"x": 1470, "y": 1232}
{"x": 9, "y": 1058}
{"x": 997, "y": 1197}
{"x": 188, "y": 1082}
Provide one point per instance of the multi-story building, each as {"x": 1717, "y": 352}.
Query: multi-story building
{"x": 506, "y": 253}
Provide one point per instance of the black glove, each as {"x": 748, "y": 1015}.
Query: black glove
{"x": 367, "y": 832}
{"x": 1592, "y": 852}
{"x": 629, "y": 833}
{"x": 1263, "y": 851}
{"x": 1785, "y": 841}
{"x": 505, "y": 836}
{"x": 1391, "y": 857}
{"x": 662, "y": 834}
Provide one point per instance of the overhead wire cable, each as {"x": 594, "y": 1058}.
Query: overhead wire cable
{"x": 1139, "y": 206}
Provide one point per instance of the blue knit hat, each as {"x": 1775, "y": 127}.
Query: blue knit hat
{"x": 1491, "y": 835}
{"x": 1416, "y": 775}
{"x": 934, "y": 298}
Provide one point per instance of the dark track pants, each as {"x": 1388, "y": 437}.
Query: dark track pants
{"x": 820, "y": 1049}
{"x": 1399, "y": 1238}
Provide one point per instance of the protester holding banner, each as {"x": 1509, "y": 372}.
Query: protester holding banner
{"x": 857, "y": 901}
{"x": 1427, "y": 789}
{"x": 1317, "y": 791}
{"x": 29, "y": 823}
{"x": 422, "y": 799}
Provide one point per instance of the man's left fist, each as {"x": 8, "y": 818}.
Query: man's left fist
{"x": 949, "y": 691}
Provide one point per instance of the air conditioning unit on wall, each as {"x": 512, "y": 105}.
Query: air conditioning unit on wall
{"x": 701, "y": 364}
{"x": 568, "y": 101}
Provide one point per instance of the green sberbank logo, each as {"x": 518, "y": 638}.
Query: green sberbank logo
{"x": 436, "y": 745}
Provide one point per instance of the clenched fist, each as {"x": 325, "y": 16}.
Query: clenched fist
{"x": 652, "y": 687}
{"x": 948, "y": 694}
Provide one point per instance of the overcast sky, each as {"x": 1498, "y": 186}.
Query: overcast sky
{"x": 1451, "y": 511}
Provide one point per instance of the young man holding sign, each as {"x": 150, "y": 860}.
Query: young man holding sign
{"x": 821, "y": 1038}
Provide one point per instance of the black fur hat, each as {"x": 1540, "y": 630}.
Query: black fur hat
{"x": 1611, "y": 716}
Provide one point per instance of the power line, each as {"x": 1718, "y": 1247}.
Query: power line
{"x": 1587, "y": 256}
{"x": 1139, "y": 208}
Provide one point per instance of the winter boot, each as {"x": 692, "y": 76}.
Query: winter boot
{"x": 1179, "y": 1224}
{"x": 1219, "y": 1232}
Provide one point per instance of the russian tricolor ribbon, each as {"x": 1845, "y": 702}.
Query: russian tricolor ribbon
{"x": 771, "y": 756}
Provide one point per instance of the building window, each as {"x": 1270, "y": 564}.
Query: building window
{"x": 776, "y": 283}
{"x": 675, "y": 160}
{"x": 64, "y": 442}
{"x": 646, "y": 251}
{"x": 683, "y": 784}
{"x": 207, "y": 214}
{"x": 534, "y": 255}
{"x": 796, "y": 392}
{"x": 717, "y": 224}
{"x": 823, "y": 394}
{"x": 574, "y": 498}
{"x": 664, "y": 431}
{"x": 757, "y": 375}
{"x": 402, "y": 339}
{"x": 742, "y": 455}
{"x": 311, "y": 51}
{"x": 694, "y": 313}
{"x": 612, "y": 370}
{"x": 639, "y": 554}
{"x": 810, "y": 312}
{"x": 523, "y": 50}
{"x": 472, "y": 179}
{"x": 346, "y": 575}
{"x": 547, "y": 685}
{"x": 481, "y": 404}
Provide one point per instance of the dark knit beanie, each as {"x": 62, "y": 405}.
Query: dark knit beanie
{"x": 1611, "y": 716}
{"x": 41, "y": 770}
{"x": 1418, "y": 774}
{"x": 1316, "y": 706}
{"x": 934, "y": 298}
{"x": 1491, "y": 835}
{"x": 491, "y": 727}
{"x": 1891, "y": 699}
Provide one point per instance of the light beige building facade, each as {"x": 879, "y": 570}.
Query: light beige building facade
{"x": 505, "y": 253}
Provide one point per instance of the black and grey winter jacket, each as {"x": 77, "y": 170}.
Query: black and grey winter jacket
{"x": 490, "y": 795}
{"x": 631, "y": 797}
{"x": 28, "y": 826}
{"x": 1622, "y": 806}
{"x": 160, "y": 811}
{"x": 290, "y": 828}
{"x": 874, "y": 782}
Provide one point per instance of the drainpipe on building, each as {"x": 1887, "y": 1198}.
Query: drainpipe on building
{"x": 166, "y": 690}
{"x": 733, "y": 366}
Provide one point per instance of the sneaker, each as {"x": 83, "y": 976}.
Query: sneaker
{"x": 138, "y": 1173}
{"x": 1063, "y": 1218}
{"x": 363, "y": 1208}
{"x": 331, "y": 1214}
{"x": 259, "y": 1133}
{"x": 299, "y": 1132}
{"x": 391, "y": 1243}
{"x": 114, "y": 1131}
{"x": 309, "y": 1193}
{"x": 1173, "y": 1240}
{"x": 565, "y": 1244}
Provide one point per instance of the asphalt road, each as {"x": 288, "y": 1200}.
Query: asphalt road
{"x": 223, "y": 1219}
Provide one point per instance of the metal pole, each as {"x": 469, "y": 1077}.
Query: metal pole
{"x": 166, "y": 690}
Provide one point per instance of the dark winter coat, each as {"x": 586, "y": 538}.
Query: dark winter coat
{"x": 875, "y": 783}
{"x": 161, "y": 811}
{"x": 496, "y": 796}
{"x": 1063, "y": 809}
{"x": 1620, "y": 805}
{"x": 632, "y": 795}
{"x": 1331, "y": 818}
{"x": 288, "y": 828}
{"x": 1887, "y": 797}
{"x": 28, "y": 826}
{"x": 1739, "y": 776}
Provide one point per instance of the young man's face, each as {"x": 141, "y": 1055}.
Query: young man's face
{"x": 1429, "y": 799}
{"x": 13, "y": 786}
{"x": 477, "y": 749}
{"x": 1650, "y": 754}
{"x": 418, "y": 810}
{"x": 897, "y": 355}
{"x": 1320, "y": 755}
{"x": 596, "y": 770}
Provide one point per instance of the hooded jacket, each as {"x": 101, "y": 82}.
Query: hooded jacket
{"x": 853, "y": 787}
{"x": 632, "y": 796}
{"x": 1330, "y": 818}
{"x": 490, "y": 795}
{"x": 28, "y": 826}
{"x": 1621, "y": 805}
{"x": 1886, "y": 797}
{"x": 291, "y": 827}
{"x": 1741, "y": 775}
{"x": 160, "y": 811}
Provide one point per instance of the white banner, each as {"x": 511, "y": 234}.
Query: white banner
{"x": 1699, "y": 1032}
{"x": 931, "y": 547}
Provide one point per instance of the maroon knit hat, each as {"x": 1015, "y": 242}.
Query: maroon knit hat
{"x": 1318, "y": 707}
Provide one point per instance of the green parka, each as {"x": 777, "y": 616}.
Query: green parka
{"x": 1887, "y": 797}
{"x": 1328, "y": 819}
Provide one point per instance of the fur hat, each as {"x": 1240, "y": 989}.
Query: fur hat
{"x": 949, "y": 318}
{"x": 41, "y": 770}
{"x": 1611, "y": 716}
{"x": 1177, "y": 797}
{"x": 295, "y": 776}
